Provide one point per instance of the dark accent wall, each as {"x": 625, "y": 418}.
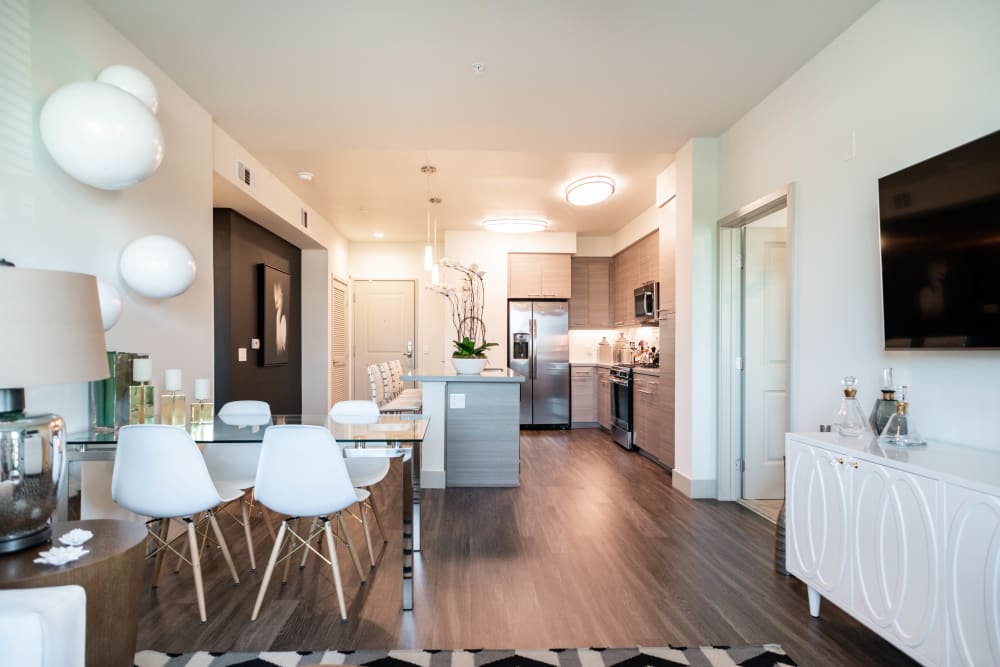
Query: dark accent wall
{"x": 240, "y": 246}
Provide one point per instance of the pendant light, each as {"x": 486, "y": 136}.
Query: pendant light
{"x": 435, "y": 268}
{"x": 428, "y": 169}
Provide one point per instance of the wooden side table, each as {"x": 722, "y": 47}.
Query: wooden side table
{"x": 111, "y": 574}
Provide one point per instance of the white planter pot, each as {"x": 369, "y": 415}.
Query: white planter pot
{"x": 471, "y": 366}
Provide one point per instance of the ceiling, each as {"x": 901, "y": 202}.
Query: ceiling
{"x": 362, "y": 94}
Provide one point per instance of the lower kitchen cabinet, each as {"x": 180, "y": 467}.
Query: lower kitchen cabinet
{"x": 583, "y": 395}
{"x": 903, "y": 540}
{"x": 653, "y": 434}
{"x": 604, "y": 398}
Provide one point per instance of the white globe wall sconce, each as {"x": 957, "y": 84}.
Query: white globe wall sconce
{"x": 104, "y": 133}
{"x": 111, "y": 304}
{"x": 157, "y": 267}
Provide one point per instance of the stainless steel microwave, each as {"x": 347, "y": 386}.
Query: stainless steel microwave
{"x": 647, "y": 301}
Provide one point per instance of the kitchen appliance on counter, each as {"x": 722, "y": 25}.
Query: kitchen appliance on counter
{"x": 622, "y": 426}
{"x": 647, "y": 301}
{"x": 538, "y": 349}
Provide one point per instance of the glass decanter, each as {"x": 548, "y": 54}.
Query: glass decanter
{"x": 899, "y": 430}
{"x": 850, "y": 421}
{"x": 885, "y": 407}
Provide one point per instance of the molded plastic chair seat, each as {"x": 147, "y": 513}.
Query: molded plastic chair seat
{"x": 160, "y": 473}
{"x": 44, "y": 627}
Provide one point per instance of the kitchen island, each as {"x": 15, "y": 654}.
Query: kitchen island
{"x": 474, "y": 435}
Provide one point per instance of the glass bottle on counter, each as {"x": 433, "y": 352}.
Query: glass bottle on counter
{"x": 885, "y": 407}
{"x": 850, "y": 421}
{"x": 899, "y": 430}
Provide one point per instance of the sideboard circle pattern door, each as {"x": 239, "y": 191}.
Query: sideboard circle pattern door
{"x": 896, "y": 558}
{"x": 973, "y": 571}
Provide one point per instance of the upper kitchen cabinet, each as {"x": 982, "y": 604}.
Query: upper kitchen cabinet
{"x": 590, "y": 305}
{"x": 634, "y": 266}
{"x": 668, "y": 257}
{"x": 538, "y": 276}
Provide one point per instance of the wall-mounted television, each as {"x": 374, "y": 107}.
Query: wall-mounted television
{"x": 939, "y": 223}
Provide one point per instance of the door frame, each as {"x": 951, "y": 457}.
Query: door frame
{"x": 730, "y": 380}
{"x": 352, "y": 299}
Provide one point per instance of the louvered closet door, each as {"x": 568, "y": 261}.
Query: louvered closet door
{"x": 338, "y": 340}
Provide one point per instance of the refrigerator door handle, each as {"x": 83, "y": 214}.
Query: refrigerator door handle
{"x": 534, "y": 353}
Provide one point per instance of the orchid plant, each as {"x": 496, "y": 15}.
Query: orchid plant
{"x": 467, "y": 303}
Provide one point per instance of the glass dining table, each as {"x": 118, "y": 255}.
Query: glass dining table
{"x": 396, "y": 436}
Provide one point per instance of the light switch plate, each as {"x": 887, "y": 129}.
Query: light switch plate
{"x": 255, "y": 343}
{"x": 241, "y": 354}
{"x": 456, "y": 401}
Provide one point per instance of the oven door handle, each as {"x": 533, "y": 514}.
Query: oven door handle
{"x": 620, "y": 383}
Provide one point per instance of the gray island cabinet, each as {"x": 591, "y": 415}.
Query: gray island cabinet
{"x": 474, "y": 434}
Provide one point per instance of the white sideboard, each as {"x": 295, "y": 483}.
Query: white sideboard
{"x": 906, "y": 540}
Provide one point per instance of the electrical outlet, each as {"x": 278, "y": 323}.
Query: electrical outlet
{"x": 456, "y": 401}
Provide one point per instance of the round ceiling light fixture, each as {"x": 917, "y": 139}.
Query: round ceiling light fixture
{"x": 514, "y": 225}
{"x": 306, "y": 176}
{"x": 590, "y": 190}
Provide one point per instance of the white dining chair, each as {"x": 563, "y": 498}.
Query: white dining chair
{"x": 44, "y": 627}
{"x": 365, "y": 472}
{"x": 302, "y": 474}
{"x": 234, "y": 466}
{"x": 160, "y": 473}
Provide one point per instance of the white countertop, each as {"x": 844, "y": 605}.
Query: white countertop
{"x": 447, "y": 374}
{"x": 966, "y": 466}
{"x": 596, "y": 364}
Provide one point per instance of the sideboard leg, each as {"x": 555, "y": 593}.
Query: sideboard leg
{"x": 814, "y": 599}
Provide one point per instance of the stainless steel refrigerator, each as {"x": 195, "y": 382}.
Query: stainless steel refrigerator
{"x": 538, "y": 349}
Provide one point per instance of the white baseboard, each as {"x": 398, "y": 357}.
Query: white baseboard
{"x": 432, "y": 479}
{"x": 694, "y": 488}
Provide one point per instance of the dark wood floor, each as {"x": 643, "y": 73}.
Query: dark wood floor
{"x": 594, "y": 549}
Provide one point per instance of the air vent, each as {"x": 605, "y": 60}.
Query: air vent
{"x": 244, "y": 174}
{"x": 305, "y": 218}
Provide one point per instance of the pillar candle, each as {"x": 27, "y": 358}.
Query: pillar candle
{"x": 172, "y": 379}
{"x": 202, "y": 389}
{"x": 142, "y": 370}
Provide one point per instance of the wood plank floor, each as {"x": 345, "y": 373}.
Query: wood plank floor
{"x": 594, "y": 549}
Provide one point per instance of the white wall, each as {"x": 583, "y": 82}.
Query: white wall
{"x": 595, "y": 246}
{"x": 696, "y": 330}
{"x": 642, "y": 225}
{"x": 910, "y": 79}
{"x": 489, "y": 250}
{"x": 49, "y": 220}
{"x": 405, "y": 261}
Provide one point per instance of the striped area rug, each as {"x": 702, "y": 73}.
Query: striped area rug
{"x": 766, "y": 655}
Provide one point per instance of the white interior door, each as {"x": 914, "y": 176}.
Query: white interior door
{"x": 338, "y": 340}
{"x": 765, "y": 355}
{"x": 384, "y": 317}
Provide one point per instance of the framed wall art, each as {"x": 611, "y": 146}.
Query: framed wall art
{"x": 275, "y": 301}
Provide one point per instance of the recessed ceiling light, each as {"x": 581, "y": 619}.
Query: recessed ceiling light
{"x": 378, "y": 235}
{"x": 514, "y": 225}
{"x": 306, "y": 176}
{"x": 590, "y": 190}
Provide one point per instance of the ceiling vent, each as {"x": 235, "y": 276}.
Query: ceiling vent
{"x": 244, "y": 174}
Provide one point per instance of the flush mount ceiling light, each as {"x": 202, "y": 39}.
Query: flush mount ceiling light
{"x": 306, "y": 176}
{"x": 514, "y": 225}
{"x": 378, "y": 235}
{"x": 590, "y": 190}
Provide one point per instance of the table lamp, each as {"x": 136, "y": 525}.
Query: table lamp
{"x": 52, "y": 334}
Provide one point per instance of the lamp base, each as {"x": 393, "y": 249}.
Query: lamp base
{"x": 10, "y": 545}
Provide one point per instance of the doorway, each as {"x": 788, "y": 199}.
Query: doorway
{"x": 384, "y": 327}
{"x": 755, "y": 351}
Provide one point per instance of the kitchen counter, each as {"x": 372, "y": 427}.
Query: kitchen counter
{"x": 474, "y": 434}
{"x": 646, "y": 371}
{"x": 596, "y": 364}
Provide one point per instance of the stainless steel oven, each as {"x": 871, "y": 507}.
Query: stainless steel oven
{"x": 621, "y": 406}
{"x": 647, "y": 301}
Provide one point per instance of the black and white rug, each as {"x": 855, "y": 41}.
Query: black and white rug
{"x": 766, "y": 655}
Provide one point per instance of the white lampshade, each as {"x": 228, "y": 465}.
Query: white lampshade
{"x": 157, "y": 267}
{"x": 101, "y": 135}
{"x": 132, "y": 81}
{"x": 52, "y": 332}
{"x": 590, "y": 190}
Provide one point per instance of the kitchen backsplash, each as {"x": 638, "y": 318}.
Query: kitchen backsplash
{"x": 583, "y": 342}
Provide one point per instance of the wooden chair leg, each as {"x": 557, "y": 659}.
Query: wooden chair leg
{"x": 164, "y": 528}
{"x": 368, "y": 536}
{"x": 222, "y": 545}
{"x": 269, "y": 570}
{"x": 291, "y": 548}
{"x": 335, "y": 566}
{"x": 199, "y": 587}
{"x": 350, "y": 547}
{"x": 246, "y": 532}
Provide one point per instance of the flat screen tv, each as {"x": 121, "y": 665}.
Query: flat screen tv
{"x": 939, "y": 224}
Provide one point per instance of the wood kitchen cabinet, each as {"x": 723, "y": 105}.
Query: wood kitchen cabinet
{"x": 665, "y": 415}
{"x": 635, "y": 265}
{"x": 590, "y": 305}
{"x": 653, "y": 416}
{"x": 604, "y": 398}
{"x": 583, "y": 395}
{"x": 539, "y": 276}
